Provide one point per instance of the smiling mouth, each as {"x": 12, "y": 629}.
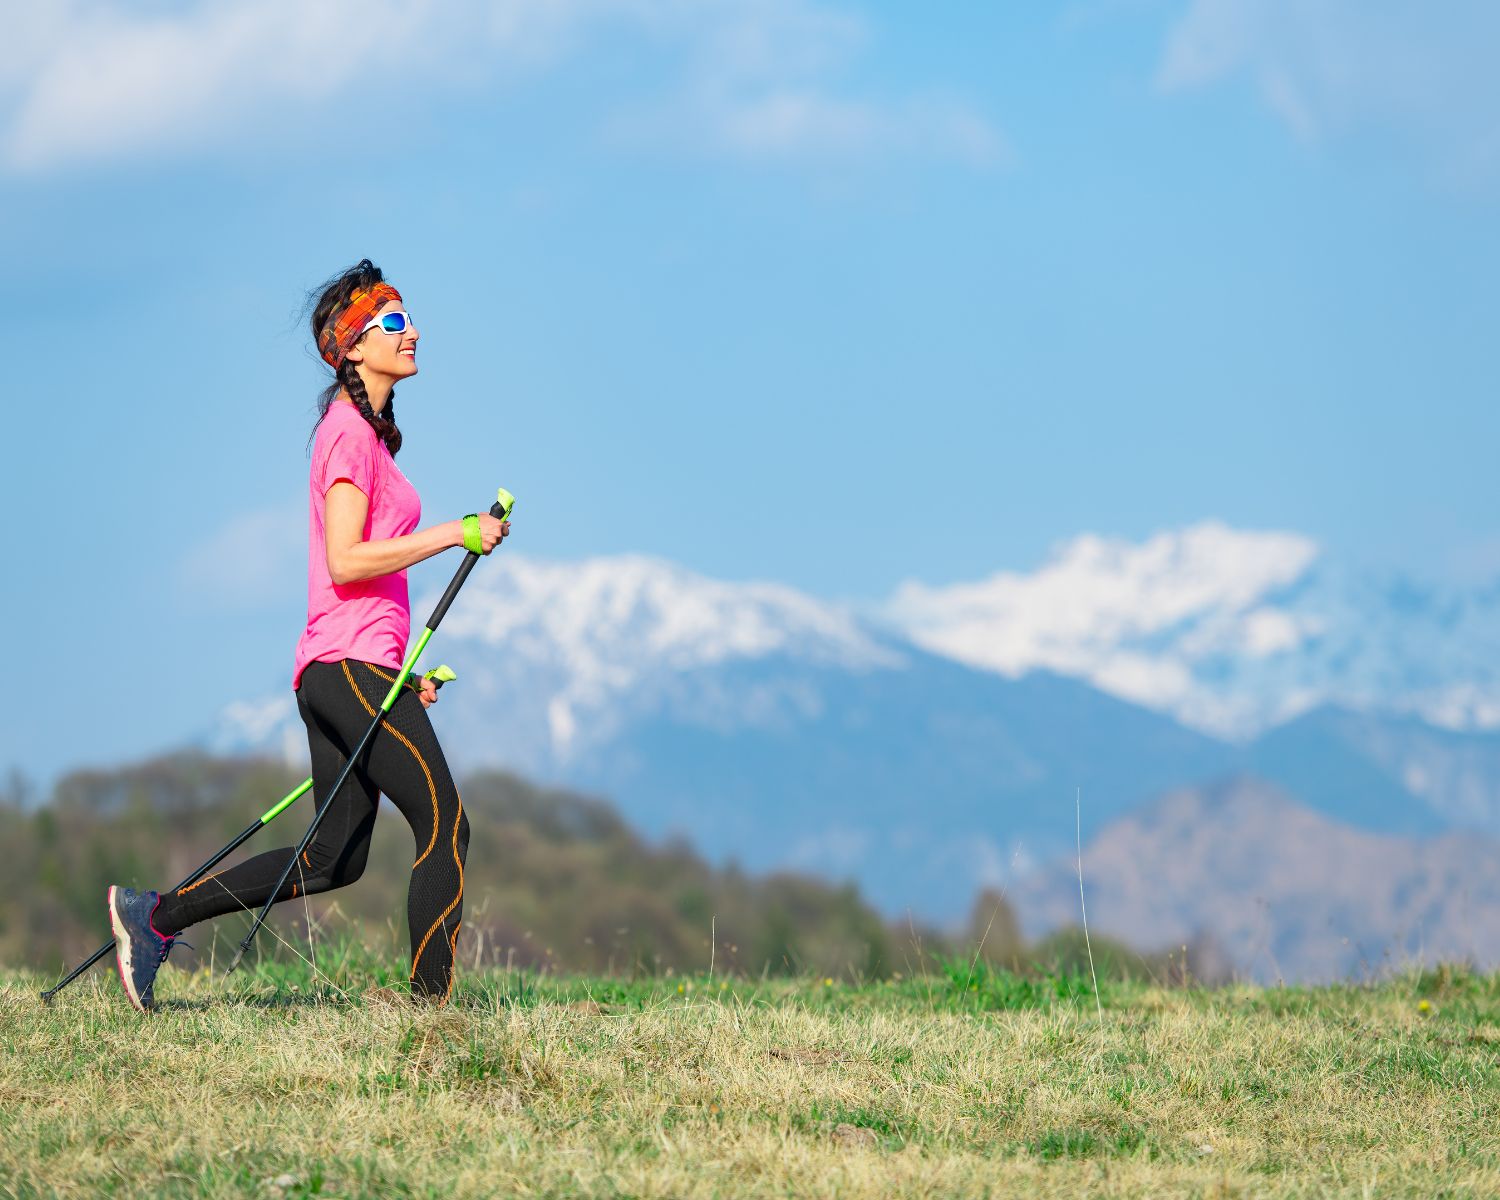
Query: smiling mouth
{"x": 407, "y": 353}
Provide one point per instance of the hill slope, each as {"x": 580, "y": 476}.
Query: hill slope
{"x": 1288, "y": 893}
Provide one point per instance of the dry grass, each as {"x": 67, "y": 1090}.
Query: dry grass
{"x": 599, "y": 1088}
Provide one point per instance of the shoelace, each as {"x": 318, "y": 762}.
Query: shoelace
{"x": 166, "y": 948}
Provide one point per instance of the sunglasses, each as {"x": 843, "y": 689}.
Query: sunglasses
{"x": 391, "y": 322}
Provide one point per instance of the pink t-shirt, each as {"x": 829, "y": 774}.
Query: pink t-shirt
{"x": 369, "y": 620}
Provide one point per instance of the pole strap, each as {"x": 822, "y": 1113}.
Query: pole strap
{"x": 472, "y": 541}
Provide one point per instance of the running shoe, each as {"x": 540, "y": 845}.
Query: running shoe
{"x": 139, "y": 949}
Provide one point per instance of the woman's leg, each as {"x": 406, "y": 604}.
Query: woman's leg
{"x": 406, "y": 763}
{"x": 333, "y": 859}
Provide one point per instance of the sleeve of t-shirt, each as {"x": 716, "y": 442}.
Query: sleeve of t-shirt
{"x": 349, "y": 457}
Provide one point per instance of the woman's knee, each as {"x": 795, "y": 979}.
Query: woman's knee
{"x": 350, "y": 866}
{"x": 339, "y": 864}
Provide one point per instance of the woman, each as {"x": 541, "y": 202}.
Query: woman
{"x": 363, "y": 535}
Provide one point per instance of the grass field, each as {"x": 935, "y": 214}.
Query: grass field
{"x": 335, "y": 1085}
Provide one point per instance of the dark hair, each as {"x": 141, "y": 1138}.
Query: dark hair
{"x": 331, "y": 297}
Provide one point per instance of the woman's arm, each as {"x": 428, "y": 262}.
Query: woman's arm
{"x": 351, "y": 558}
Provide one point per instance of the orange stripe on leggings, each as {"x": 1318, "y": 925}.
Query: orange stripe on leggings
{"x": 200, "y": 883}
{"x": 432, "y": 792}
{"x": 405, "y": 741}
{"x": 392, "y": 678}
{"x": 457, "y": 900}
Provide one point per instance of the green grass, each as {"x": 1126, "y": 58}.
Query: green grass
{"x": 970, "y": 1081}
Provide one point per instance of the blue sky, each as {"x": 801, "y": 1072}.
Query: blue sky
{"x": 835, "y": 294}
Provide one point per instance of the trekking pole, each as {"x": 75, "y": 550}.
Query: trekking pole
{"x": 500, "y": 510}
{"x": 438, "y": 675}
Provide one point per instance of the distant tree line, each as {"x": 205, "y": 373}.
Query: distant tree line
{"x": 554, "y": 880}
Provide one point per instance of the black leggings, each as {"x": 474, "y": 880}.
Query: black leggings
{"x": 337, "y": 701}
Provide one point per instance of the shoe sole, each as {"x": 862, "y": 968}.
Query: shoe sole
{"x": 122, "y": 951}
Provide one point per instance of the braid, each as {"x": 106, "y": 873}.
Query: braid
{"x": 384, "y": 425}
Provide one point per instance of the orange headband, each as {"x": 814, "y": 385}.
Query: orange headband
{"x": 345, "y": 326}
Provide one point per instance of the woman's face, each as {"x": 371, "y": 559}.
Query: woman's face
{"x": 392, "y": 354}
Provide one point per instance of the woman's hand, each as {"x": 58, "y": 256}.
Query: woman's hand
{"x": 491, "y": 531}
{"x": 427, "y": 691}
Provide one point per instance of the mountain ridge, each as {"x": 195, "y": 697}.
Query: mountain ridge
{"x": 1288, "y": 893}
{"x": 779, "y": 729}
{"x": 1230, "y": 631}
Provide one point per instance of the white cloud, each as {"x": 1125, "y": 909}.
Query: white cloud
{"x": 796, "y": 124}
{"x": 245, "y": 563}
{"x": 269, "y": 725}
{"x": 105, "y": 81}
{"x": 91, "y": 80}
{"x": 837, "y": 851}
{"x": 760, "y": 87}
{"x": 1328, "y": 67}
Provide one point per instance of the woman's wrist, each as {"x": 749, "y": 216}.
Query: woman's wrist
{"x": 455, "y": 532}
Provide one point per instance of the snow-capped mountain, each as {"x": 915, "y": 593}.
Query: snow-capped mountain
{"x": 937, "y": 743}
{"x": 558, "y": 656}
{"x": 1231, "y": 632}
{"x": 610, "y": 637}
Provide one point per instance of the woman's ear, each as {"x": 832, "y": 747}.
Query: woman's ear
{"x": 355, "y": 355}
